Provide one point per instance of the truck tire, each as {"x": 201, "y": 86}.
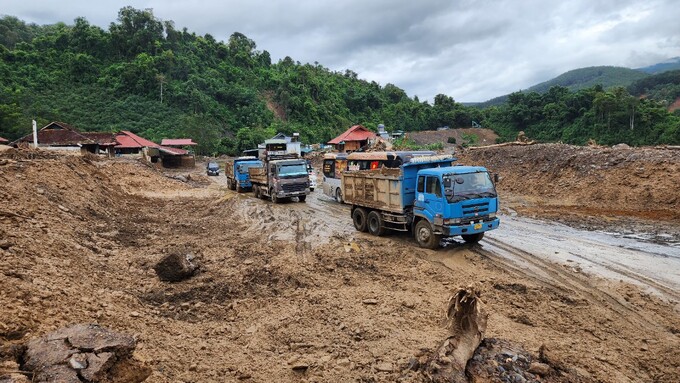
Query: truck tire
{"x": 232, "y": 184}
{"x": 375, "y": 223}
{"x": 425, "y": 236}
{"x": 275, "y": 199}
{"x": 239, "y": 189}
{"x": 338, "y": 195}
{"x": 256, "y": 191}
{"x": 228, "y": 184}
{"x": 473, "y": 238}
{"x": 302, "y": 198}
{"x": 359, "y": 219}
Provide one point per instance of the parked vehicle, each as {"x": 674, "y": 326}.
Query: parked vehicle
{"x": 426, "y": 196}
{"x": 236, "y": 171}
{"x": 213, "y": 169}
{"x": 334, "y": 164}
{"x": 281, "y": 176}
{"x": 312, "y": 176}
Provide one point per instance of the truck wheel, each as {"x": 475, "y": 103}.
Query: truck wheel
{"x": 232, "y": 184}
{"x": 359, "y": 219}
{"x": 375, "y": 223}
{"x": 302, "y": 198}
{"x": 228, "y": 183}
{"x": 239, "y": 189}
{"x": 256, "y": 191}
{"x": 275, "y": 199}
{"x": 473, "y": 238}
{"x": 425, "y": 235}
{"x": 338, "y": 195}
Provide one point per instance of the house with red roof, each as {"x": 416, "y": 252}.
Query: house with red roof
{"x": 61, "y": 136}
{"x": 352, "y": 139}
{"x": 129, "y": 143}
{"x": 3, "y": 141}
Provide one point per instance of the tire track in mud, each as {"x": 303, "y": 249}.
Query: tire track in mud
{"x": 621, "y": 269}
{"x": 577, "y": 284}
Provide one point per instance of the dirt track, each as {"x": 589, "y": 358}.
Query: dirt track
{"x": 291, "y": 292}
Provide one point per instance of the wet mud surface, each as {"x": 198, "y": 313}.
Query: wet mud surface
{"x": 290, "y": 292}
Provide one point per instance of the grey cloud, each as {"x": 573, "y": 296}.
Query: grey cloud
{"x": 470, "y": 50}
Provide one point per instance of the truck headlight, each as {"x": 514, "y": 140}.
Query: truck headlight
{"x": 452, "y": 221}
{"x": 492, "y": 215}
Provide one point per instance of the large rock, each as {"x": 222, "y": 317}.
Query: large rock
{"x": 175, "y": 267}
{"x": 84, "y": 353}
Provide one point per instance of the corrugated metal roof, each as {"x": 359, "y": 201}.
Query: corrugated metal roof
{"x": 3, "y": 140}
{"x": 128, "y": 140}
{"x": 177, "y": 142}
{"x": 355, "y": 133}
{"x": 173, "y": 151}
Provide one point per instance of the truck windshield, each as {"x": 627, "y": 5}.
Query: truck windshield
{"x": 292, "y": 170}
{"x": 243, "y": 168}
{"x": 458, "y": 187}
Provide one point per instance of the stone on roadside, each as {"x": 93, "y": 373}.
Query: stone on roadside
{"x": 175, "y": 267}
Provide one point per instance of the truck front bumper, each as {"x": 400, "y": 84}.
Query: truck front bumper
{"x": 283, "y": 194}
{"x": 472, "y": 228}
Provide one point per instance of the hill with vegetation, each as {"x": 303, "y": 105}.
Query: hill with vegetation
{"x": 147, "y": 76}
{"x": 670, "y": 64}
{"x": 606, "y": 76}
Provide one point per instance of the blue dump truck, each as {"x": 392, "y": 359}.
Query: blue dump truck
{"x": 426, "y": 196}
{"x": 236, "y": 171}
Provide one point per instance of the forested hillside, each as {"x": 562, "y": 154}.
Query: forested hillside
{"x": 582, "y": 78}
{"x": 146, "y": 75}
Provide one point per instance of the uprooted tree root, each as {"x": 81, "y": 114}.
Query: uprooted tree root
{"x": 466, "y": 319}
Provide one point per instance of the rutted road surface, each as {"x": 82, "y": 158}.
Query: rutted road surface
{"x": 541, "y": 250}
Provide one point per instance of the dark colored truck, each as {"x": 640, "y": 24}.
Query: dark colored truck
{"x": 281, "y": 177}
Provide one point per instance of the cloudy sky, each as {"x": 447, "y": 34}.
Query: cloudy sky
{"x": 470, "y": 50}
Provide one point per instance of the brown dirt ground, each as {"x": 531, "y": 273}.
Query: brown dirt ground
{"x": 588, "y": 187}
{"x": 484, "y": 136}
{"x": 287, "y": 294}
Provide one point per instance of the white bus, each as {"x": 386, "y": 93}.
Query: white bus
{"x": 334, "y": 164}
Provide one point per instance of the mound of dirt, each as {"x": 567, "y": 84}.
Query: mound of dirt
{"x": 286, "y": 292}
{"x": 482, "y": 136}
{"x": 567, "y": 182}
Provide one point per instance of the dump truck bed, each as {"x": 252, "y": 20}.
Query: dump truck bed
{"x": 377, "y": 189}
{"x": 258, "y": 175}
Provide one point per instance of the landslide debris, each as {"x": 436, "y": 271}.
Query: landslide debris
{"x": 466, "y": 319}
{"x": 83, "y": 353}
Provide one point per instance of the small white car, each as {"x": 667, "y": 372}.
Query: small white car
{"x": 312, "y": 177}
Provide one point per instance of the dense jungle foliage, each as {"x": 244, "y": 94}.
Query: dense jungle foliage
{"x": 145, "y": 75}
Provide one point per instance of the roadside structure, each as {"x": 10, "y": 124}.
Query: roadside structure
{"x": 130, "y": 144}
{"x": 61, "y": 136}
{"x": 3, "y": 141}
{"x": 352, "y": 139}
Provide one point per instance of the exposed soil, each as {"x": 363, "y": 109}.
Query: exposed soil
{"x": 483, "y": 137}
{"x": 290, "y": 292}
{"x": 627, "y": 190}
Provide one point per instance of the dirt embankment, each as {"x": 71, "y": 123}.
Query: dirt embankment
{"x": 283, "y": 292}
{"x": 473, "y": 136}
{"x": 573, "y": 183}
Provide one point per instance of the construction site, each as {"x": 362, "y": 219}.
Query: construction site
{"x": 579, "y": 283}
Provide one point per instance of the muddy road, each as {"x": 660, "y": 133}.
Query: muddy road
{"x": 291, "y": 292}
{"x": 544, "y": 250}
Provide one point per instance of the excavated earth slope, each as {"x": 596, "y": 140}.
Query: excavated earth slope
{"x": 291, "y": 292}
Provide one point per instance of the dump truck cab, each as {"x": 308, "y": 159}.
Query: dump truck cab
{"x": 456, "y": 200}
{"x": 236, "y": 171}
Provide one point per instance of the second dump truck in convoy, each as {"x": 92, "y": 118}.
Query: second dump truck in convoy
{"x": 236, "y": 171}
{"x": 281, "y": 176}
{"x": 426, "y": 196}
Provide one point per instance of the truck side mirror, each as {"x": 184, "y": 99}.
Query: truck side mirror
{"x": 496, "y": 178}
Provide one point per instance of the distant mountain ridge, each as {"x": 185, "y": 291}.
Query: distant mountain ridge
{"x": 670, "y": 64}
{"x": 607, "y": 76}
